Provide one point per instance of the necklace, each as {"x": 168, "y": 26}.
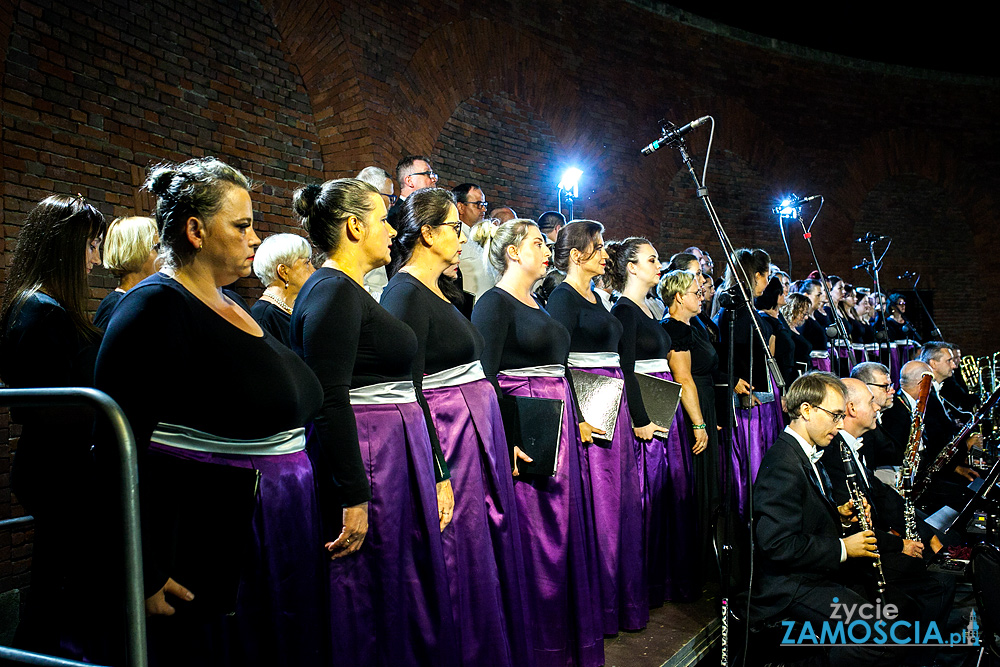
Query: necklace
{"x": 276, "y": 300}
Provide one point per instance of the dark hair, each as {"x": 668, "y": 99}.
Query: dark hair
{"x": 811, "y": 388}
{"x": 403, "y": 166}
{"x": 192, "y": 189}
{"x": 893, "y": 301}
{"x": 769, "y": 298}
{"x": 752, "y": 262}
{"x": 51, "y": 255}
{"x": 462, "y": 191}
{"x": 620, "y": 255}
{"x": 807, "y": 285}
{"x": 424, "y": 208}
{"x": 833, "y": 280}
{"x": 551, "y": 281}
{"x": 932, "y": 350}
{"x": 681, "y": 261}
{"x": 579, "y": 235}
{"x": 324, "y": 209}
{"x": 550, "y": 220}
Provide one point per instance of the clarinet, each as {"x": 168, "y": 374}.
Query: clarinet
{"x": 911, "y": 460}
{"x": 945, "y": 455}
{"x": 857, "y": 496}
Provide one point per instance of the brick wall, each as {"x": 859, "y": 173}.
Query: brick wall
{"x": 506, "y": 94}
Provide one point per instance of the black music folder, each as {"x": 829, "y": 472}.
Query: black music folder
{"x": 599, "y": 398}
{"x": 661, "y": 398}
{"x": 534, "y": 425}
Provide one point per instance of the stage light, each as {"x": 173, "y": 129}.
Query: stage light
{"x": 789, "y": 207}
{"x": 570, "y": 181}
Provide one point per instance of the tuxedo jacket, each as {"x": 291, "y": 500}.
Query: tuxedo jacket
{"x": 939, "y": 430}
{"x": 797, "y": 529}
{"x": 886, "y": 445}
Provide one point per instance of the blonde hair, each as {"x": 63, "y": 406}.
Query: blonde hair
{"x": 495, "y": 238}
{"x": 674, "y": 283}
{"x": 127, "y": 244}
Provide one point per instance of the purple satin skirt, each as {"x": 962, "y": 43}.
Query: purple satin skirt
{"x": 820, "y": 364}
{"x": 756, "y": 430}
{"x": 557, "y": 536}
{"x": 390, "y": 602}
{"x": 617, "y": 476}
{"x": 482, "y": 544}
{"x": 670, "y": 515}
{"x": 281, "y": 614}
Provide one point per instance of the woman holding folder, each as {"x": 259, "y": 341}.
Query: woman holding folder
{"x": 525, "y": 354}
{"x": 482, "y": 545}
{"x": 615, "y": 469}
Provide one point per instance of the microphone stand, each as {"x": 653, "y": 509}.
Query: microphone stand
{"x": 873, "y": 270}
{"x": 841, "y": 327}
{"x": 934, "y": 327}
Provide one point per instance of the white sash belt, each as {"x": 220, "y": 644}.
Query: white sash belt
{"x": 549, "y": 371}
{"x": 648, "y": 366}
{"x": 819, "y": 354}
{"x": 594, "y": 360}
{"x": 182, "y": 437}
{"x": 384, "y": 393}
{"x": 453, "y": 377}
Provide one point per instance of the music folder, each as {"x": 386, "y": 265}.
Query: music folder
{"x": 599, "y": 398}
{"x": 534, "y": 425}
{"x": 661, "y": 398}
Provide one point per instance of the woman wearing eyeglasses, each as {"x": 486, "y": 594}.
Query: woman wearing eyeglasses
{"x": 48, "y": 340}
{"x": 694, "y": 363}
{"x": 482, "y": 546}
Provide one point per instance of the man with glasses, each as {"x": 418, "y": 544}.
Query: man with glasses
{"x": 883, "y": 449}
{"x": 414, "y": 172}
{"x": 799, "y": 528}
{"x": 471, "y": 211}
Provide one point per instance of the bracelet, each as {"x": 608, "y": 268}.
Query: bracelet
{"x": 698, "y": 427}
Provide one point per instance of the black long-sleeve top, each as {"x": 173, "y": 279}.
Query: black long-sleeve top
{"x": 107, "y": 306}
{"x": 516, "y": 335}
{"x": 642, "y": 338}
{"x": 273, "y": 320}
{"x": 41, "y": 347}
{"x": 445, "y": 338}
{"x": 784, "y": 347}
{"x": 814, "y": 332}
{"x": 591, "y": 327}
{"x": 748, "y": 349}
{"x": 349, "y": 341}
{"x": 168, "y": 357}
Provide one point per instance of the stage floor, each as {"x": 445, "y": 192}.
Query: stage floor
{"x": 678, "y": 635}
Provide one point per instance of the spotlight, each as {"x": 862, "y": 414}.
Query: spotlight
{"x": 570, "y": 182}
{"x": 789, "y": 207}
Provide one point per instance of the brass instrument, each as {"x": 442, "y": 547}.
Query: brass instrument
{"x": 859, "y": 506}
{"x": 911, "y": 457}
{"x": 969, "y": 366}
{"x": 945, "y": 455}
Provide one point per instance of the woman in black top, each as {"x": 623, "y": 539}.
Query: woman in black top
{"x": 525, "y": 354}
{"x": 814, "y": 326}
{"x": 389, "y": 597}
{"x": 130, "y": 255}
{"x": 48, "y": 341}
{"x": 193, "y": 419}
{"x": 795, "y": 312}
{"x": 782, "y": 344}
{"x": 283, "y": 262}
{"x": 482, "y": 546}
{"x": 616, "y": 470}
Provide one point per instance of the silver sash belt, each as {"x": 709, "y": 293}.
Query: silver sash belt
{"x": 384, "y": 393}
{"x": 182, "y": 437}
{"x": 594, "y": 360}
{"x": 549, "y": 371}
{"x": 648, "y": 366}
{"x": 819, "y": 354}
{"x": 453, "y": 377}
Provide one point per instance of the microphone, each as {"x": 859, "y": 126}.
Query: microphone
{"x": 672, "y": 135}
{"x": 793, "y": 202}
{"x": 906, "y": 275}
{"x": 863, "y": 265}
{"x": 870, "y": 238}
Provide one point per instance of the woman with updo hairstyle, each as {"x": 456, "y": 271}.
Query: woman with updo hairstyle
{"x": 781, "y": 340}
{"x": 196, "y": 429}
{"x": 130, "y": 255}
{"x": 283, "y": 262}
{"x": 615, "y": 469}
{"x": 482, "y": 546}
{"x": 525, "y": 354}
{"x": 668, "y": 494}
{"x": 759, "y": 419}
{"x": 795, "y": 311}
{"x": 389, "y": 597}
{"x": 48, "y": 340}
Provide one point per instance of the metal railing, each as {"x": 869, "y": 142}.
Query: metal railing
{"x": 135, "y": 617}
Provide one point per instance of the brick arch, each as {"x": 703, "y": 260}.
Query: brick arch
{"x": 465, "y": 58}
{"x": 316, "y": 46}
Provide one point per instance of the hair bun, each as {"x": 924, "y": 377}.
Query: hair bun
{"x": 484, "y": 232}
{"x": 160, "y": 179}
{"x": 304, "y": 202}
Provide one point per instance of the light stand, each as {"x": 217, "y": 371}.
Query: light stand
{"x": 569, "y": 189}
{"x": 934, "y": 327}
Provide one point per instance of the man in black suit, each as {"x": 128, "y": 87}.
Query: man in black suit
{"x": 944, "y": 419}
{"x": 883, "y": 449}
{"x": 800, "y": 549}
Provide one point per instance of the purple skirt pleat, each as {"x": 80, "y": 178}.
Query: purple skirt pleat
{"x": 820, "y": 364}
{"x": 281, "y": 616}
{"x": 390, "y": 602}
{"x": 672, "y": 525}
{"x": 616, "y": 480}
{"x": 756, "y": 430}
{"x": 559, "y": 544}
{"x": 482, "y": 544}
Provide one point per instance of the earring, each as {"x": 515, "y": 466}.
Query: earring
{"x": 286, "y": 284}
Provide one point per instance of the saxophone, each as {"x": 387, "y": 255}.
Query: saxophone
{"x": 911, "y": 458}
{"x": 859, "y": 506}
